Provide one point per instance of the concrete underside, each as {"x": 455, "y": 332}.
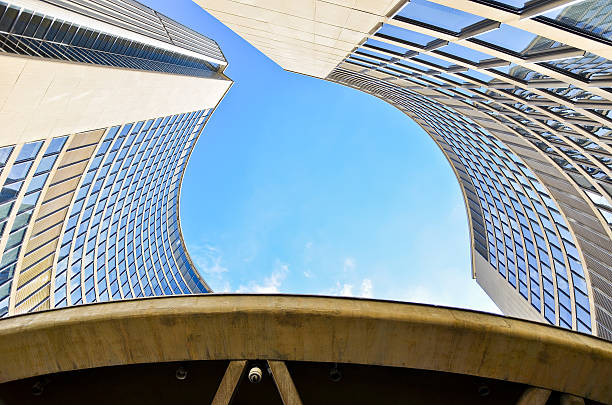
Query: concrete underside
{"x": 359, "y": 384}
{"x": 405, "y": 340}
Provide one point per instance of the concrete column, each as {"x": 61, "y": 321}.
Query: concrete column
{"x": 229, "y": 382}
{"x": 284, "y": 382}
{"x": 567, "y": 399}
{"x": 534, "y": 396}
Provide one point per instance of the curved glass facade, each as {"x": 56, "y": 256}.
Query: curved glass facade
{"x": 516, "y": 223}
{"x": 122, "y": 238}
{"x": 517, "y": 95}
{"x": 21, "y": 190}
{"x": 93, "y": 215}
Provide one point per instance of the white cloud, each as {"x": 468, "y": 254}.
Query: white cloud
{"x": 308, "y": 274}
{"x": 346, "y": 290}
{"x": 366, "y": 288}
{"x": 225, "y": 288}
{"x": 448, "y": 287}
{"x": 209, "y": 261}
{"x": 349, "y": 264}
{"x": 270, "y": 284}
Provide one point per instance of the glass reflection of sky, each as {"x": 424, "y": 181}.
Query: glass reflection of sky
{"x": 438, "y": 16}
{"x": 514, "y": 3}
{"x": 384, "y": 45}
{"x": 464, "y": 53}
{"x": 406, "y": 35}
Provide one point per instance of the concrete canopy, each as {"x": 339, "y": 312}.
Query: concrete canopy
{"x": 305, "y": 328}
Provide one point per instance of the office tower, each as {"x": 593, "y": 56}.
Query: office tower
{"x": 517, "y": 96}
{"x": 101, "y": 103}
{"x": 101, "y": 106}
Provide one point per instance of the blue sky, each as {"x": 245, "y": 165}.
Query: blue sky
{"x": 298, "y": 185}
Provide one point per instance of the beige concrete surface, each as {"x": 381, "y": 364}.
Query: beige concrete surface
{"x": 534, "y": 396}
{"x": 286, "y": 387}
{"x": 42, "y": 98}
{"x": 228, "y": 384}
{"x": 502, "y": 292}
{"x": 305, "y": 328}
{"x": 306, "y": 36}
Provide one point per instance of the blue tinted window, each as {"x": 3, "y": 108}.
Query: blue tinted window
{"x": 437, "y": 15}
{"x": 29, "y": 151}
{"x": 56, "y": 145}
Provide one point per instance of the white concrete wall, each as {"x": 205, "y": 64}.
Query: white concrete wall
{"x": 507, "y": 299}
{"x": 305, "y": 36}
{"x": 41, "y": 98}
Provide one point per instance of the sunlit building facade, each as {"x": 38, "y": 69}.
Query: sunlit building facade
{"x": 101, "y": 103}
{"x": 101, "y": 107}
{"x": 517, "y": 96}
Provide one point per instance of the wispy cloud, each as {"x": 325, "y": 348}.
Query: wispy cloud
{"x": 209, "y": 261}
{"x": 349, "y": 264}
{"x": 207, "y": 258}
{"x": 366, "y": 288}
{"x": 345, "y": 289}
{"x": 270, "y": 284}
{"x": 308, "y": 274}
{"x": 448, "y": 287}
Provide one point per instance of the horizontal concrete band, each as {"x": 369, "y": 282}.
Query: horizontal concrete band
{"x": 305, "y": 328}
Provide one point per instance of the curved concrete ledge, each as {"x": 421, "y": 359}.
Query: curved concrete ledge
{"x": 305, "y": 328}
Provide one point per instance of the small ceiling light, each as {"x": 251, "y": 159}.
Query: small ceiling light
{"x": 484, "y": 390}
{"x": 181, "y": 373}
{"x": 255, "y": 375}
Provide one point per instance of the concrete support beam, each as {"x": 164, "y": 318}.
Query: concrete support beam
{"x": 284, "y": 382}
{"x": 534, "y": 396}
{"x": 229, "y": 382}
{"x": 567, "y": 399}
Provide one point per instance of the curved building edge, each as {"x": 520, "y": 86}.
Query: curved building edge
{"x": 180, "y": 187}
{"x": 517, "y": 95}
{"x": 78, "y": 172}
{"x": 306, "y": 329}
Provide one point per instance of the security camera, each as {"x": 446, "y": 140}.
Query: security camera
{"x": 181, "y": 373}
{"x": 38, "y": 388}
{"x": 334, "y": 374}
{"x": 484, "y": 390}
{"x": 255, "y": 375}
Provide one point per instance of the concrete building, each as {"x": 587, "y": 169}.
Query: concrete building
{"x": 516, "y": 95}
{"x": 310, "y": 350}
{"x": 101, "y": 103}
{"x": 100, "y": 107}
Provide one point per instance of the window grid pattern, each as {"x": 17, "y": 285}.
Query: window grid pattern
{"x": 524, "y": 235}
{"x": 18, "y": 197}
{"x": 549, "y": 93}
{"x": 136, "y": 17}
{"x": 27, "y": 33}
{"x": 568, "y": 116}
{"x": 122, "y": 238}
